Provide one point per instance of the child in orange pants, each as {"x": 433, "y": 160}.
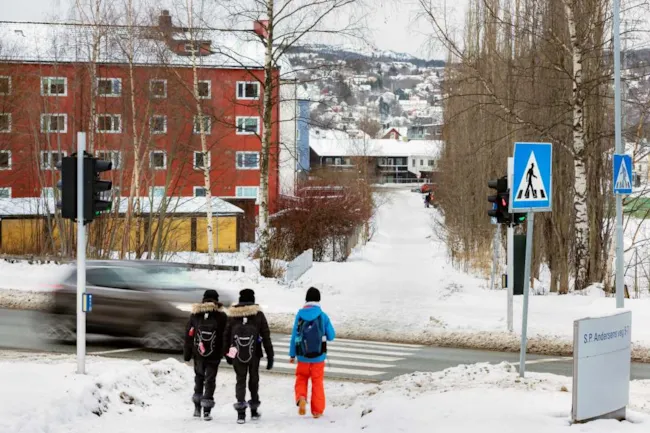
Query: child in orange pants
{"x": 311, "y": 332}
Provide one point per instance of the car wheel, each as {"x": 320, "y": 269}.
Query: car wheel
{"x": 59, "y": 327}
{"x": 163, "y": 336}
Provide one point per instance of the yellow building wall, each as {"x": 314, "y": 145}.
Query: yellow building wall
{"x": 27, "y": 236}
{"x": 224, "y": 234}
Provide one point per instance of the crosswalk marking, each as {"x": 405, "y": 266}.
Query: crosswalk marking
{"x": 381, "y": 343}
{"x": 370, "y": 351}
{"x": 353, "y": 358}
{"x": 328, "y": 369}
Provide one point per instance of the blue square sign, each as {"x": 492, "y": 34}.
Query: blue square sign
{"x": 622, "y": 174}
{"x": 532, "y": 179}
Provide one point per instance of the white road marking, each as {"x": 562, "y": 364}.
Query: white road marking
{"x": 346, "y": 349}
{"x": 107, "y": 352}
{"x": 329, "y": 369}
{"x": 547, "y": 360}
{"x": 368, "y": 343}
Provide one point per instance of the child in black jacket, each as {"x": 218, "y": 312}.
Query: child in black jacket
{"x": 204, "y": 343}
{"x": 246, "y": 332}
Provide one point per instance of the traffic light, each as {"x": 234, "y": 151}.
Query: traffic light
{"x": 499, "y": 200}
{"x": 501, "y": 203}
{"x": 68, "y": 187}
{"x": 94, "y": 205}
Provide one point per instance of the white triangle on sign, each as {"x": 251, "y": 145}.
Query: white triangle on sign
{"x": 623, "y": 180}
{"x": 531, "y": 186}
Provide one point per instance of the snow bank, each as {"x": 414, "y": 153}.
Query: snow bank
{"x": 45, "y": 396}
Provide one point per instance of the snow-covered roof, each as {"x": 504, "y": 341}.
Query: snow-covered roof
{"x": 376, "y": 147}
{"x": 45, "y": 42}
{"x": 175, "y": 205}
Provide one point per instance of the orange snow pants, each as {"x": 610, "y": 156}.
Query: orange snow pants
{"x": 316, "y": 372}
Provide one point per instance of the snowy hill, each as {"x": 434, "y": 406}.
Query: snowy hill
{"x": 369, "y": 54}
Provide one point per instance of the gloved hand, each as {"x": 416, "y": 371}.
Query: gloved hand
{"x": 292, "y": 360}
{"x": 269, "y": 363}
{"x": 229, "y": 360}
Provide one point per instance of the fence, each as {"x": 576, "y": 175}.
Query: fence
{"x": 298, "y": 266}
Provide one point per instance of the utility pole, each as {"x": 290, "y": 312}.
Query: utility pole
{"x": 620, "y": 300}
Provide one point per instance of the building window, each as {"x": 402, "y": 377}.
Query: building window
{"x": 248, "y": 125}
{"x": 109, "y": 123}
{"x": 158, "y": 124}
{"x": 328, "y": 161}
{"x": 248, "y": 160}
{"x": 158, "y": 88}
{"x": 5, "y": 192}
{"x": 156, "y": 191}
{"x": 201, "y": 159}
{"x": 204, "y": 89}
{"x": 247, "y": 191}
{"x": 114, "y": 156}
{"x": 413, "y": 162}
{"x": 207, "y": 124}
{"x": 111, "y": 87}
{"x": 5, "y": 85}
{"x": 54, "y": 86}
{"x": 47, "y": 192}
{"x": 421, "y": 162}
{"x": 49, "y": 159}
{"x": 54, "y": 123}
{"x": 192, "y": 47}
{"x": 158, "y": 159}
{"x": 248, "y": 90}
{"x": 5, "y": 122}
{"x": 199, "y": 191}
{"x": 432, "y": 163}
{"x": 5, "y": 159}
{"x": 338, "y": 161}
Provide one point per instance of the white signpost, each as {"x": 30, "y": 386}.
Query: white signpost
{"x": 601, "y": 366}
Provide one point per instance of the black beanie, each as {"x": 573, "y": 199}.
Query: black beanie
{"x": 247, "y": 296}
{"x": 210, "y": 295}
{"x": 313, "y": 295}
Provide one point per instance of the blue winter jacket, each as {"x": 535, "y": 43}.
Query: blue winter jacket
{"x": 309, "y": 312}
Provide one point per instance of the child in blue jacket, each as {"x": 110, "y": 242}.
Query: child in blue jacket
{"x": 313, "y": 326}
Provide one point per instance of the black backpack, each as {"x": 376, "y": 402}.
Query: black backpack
{"x": 205, "y": 335}
{"x": 245, "y": 336}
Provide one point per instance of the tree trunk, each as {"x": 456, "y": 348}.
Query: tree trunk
{"x": 581, "y": 221}
{"x": 265, "y": 235}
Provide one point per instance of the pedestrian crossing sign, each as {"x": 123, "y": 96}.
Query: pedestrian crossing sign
{"x": 532, "y": 180}
{"x": 622, "y": 174}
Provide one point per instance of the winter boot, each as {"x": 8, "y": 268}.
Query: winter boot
{"x": 302, "y": 406}
{"x": 207, "y": 408}
{"x": 196, "y": 399}
{"x": 240, "y": 407}
{"x": 255, "y": 413}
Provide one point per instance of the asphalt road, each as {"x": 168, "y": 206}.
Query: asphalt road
{"x": 347, "y": 359}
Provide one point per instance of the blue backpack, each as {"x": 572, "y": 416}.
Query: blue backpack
{"x": 309, "y": 338}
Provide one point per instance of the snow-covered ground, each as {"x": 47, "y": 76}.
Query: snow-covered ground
{"x": 401, "y": 286}
{"x": 44, "y": 395}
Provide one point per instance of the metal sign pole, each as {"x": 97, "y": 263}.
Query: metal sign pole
{"x": 494, "y": 260}
{"x": 524, "y": 319}
{"x": 510, "y": 261}
{"x": 620, "y": 300}
{"x": 81, "y": 256}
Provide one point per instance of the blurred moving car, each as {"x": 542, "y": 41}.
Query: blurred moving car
{"x": 424, "y": 188}
{"x": 148, "y": 300}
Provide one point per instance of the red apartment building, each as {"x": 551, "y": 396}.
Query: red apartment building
{"x": 139, "y": 90}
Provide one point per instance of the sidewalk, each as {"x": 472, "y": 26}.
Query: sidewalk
{"x": 45, "y": 395}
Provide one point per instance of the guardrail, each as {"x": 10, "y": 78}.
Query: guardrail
{"x": 299, "y": 266}
{"x": 39, "y": 260}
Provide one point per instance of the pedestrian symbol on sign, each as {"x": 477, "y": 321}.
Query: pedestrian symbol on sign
{"x": 531, "y": 187}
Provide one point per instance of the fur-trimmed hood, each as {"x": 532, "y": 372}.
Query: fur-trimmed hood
{"x": 243, "y": 310}
{"x": 207, "y": 307}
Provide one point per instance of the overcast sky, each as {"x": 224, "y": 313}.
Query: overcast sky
{"x": 393, "y": 24}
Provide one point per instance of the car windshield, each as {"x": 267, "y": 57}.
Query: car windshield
{"x": 168, "y": 277}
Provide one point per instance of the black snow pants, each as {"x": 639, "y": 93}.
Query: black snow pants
{"x": 252, "y": 371}
{"x": 205, "y": 381}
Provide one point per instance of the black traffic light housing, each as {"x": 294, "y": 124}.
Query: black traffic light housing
{"x": 68, "y": 187}
{"x": 93, "y": 187}
{"x": 94, "y": 205}
{"x": 502, "y": 201}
